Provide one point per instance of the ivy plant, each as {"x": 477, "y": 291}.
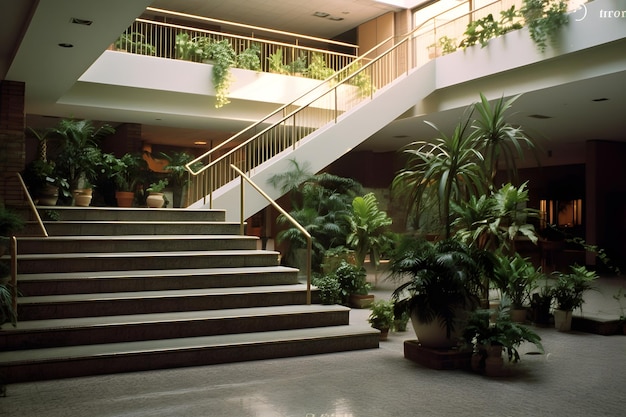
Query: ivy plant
{"x": 544, "y": 18}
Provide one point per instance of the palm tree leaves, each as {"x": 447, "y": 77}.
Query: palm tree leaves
{"x": 368, "y": 225}
{"x": 463, "y": 165}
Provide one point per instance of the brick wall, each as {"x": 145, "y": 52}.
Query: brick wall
{"x": 12, "y": 141}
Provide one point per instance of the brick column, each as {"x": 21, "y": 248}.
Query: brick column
{"x": 12, "y": 141}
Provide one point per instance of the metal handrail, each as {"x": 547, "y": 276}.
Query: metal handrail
{"x": 307, "y": 235}
{"x": 32, "y": 205}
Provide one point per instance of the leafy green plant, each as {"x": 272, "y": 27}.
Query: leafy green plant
{"x": 126, "y": 171}
{"x": 544, "y": 18}
{"x": 188, "y": 48}
{"x": 79, "y": 157}
{"x": 569, "y": 289}
{"x": 447, "y": 45}
{"x": 368, "y": 227}
{"x": 157, "y": 187}
{"x": 298, "y": 65}
{"x": 318, "y": 69}
{"x": 438, "y": 278}
{"x": 517, "y": 278}
{"x": 484, "y": 330}
{"x": 328, "y": 288}
{"x": 249, "y": 58}
{"x": 381, "y": 316}
{"x": 352, "y": 280}
{"x": 223, "y": 57}
{"x": 486, "y": 28}
{"x": 135, "y": 42}
{"x": 277, "y": 62}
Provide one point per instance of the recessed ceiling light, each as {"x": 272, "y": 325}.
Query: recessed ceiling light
{"x": 540, "y": 116}
{"x": 600, "y": 99}
{"x": 321, "y": 14}
{"x": 200, "y": 142}
{"x": 66, "y": 45}
{"x": 400, "y": 136}
{"x": 83, "y": 22}
{"x": 335, "y": 18}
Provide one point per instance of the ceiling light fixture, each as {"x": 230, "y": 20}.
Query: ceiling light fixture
{"x": 321, "y": 14}
{"x": 540, "y": 116}
{"x": 597, "y": 100}
{"x": 66, "y": 45}
{"x": 83, "y": 22}
{"x": 335, "y": 18}
{"x": 200, "y": 142}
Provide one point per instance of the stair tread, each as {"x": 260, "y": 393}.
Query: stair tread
{"x": 55, "y": 324}
{"x": 191, "y": 343}
{"x": 133, "y": 237}
{"x": 158, "y": 294}
{"x": 153, "y": 273}
{"x": 229, "y": 252}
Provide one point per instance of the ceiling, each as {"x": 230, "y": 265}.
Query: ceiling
{"x": 30, "y": 52}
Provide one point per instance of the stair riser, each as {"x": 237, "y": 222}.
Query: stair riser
{"x": 101, "y": 365}
{"x": 123, "y": 214}
{"x": 113, "y": 229}
{"x": 100, "y": 285}
{"x": 153, "y": 331}
{"x": 112, "y": 307}
{"x": 133, "y": 245}
{"x": 126, "y": 263}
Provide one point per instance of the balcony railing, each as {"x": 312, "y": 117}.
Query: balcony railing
{"x": 287, "y": 126}
{"x": 155, "y": 38}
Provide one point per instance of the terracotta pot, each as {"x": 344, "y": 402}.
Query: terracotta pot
{"x": 518, "y": 315}
{"x": 124, "y": 198}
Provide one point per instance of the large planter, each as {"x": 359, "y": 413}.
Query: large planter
{"x": 518, "y": 315}
{"x": 49, "y": 196}
{"x": 434, "y": 335}
{"x": 155, "y": 200}
{"x": 124, "y": 198}
{"x": 563, "y": 320}
{"x": 361, "y": 300}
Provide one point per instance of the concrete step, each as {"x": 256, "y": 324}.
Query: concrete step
{"x": 76, "y": 361}
{"x": 134, "y": 243}
{"x": 147, "y": 302}
{"x": 132, "y": 213}
{"x": 153, "y": 280}
{"x": 130, "y": 227}
{"x": 76, "y": 262}
{"x": 39, "y": 334}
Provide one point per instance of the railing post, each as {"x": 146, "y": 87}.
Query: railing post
{"x": 14, "y": 274}
{"x": 241, "y": 204}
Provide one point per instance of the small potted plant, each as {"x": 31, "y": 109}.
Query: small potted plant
{"x": 568, "y": 294}
{"x": 156, "y": 198}
{"x": 328, "y": 288}
{"x": 354, "y": 285}
{"x": 517, "y": 279}
{"x": 382, "y": 317}
{"x": 492, "y": 333}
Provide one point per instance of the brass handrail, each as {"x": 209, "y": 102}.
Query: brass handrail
{"x": 307, "y": 235}
{"x": 32, "y": 205}
{"x": 14, "y": 275}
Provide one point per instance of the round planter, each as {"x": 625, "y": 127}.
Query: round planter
{"x": 433, "y": 335}
{"x": 155, "y": 200}
{"x": 384, "y": 334}
{"x": 361, "y": 301}
{"x": 124, "y": 198}
{"x": 49, "y": 196}
{"x": 563, "y": 320}
{"x": 518, "y": 315}
{"x": 82, "y": 200}
{"x": 494, "y": 364}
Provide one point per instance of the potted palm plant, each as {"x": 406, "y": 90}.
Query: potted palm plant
{"x": 568, "y": 292}
{"x": 440, "y": 284}
{"x": 368, "y": 229}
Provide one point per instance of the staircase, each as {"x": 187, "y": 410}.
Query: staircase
{"x": 120, "y": 290}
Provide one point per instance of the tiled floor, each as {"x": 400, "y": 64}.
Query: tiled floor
{"x": 580, "y": 374}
